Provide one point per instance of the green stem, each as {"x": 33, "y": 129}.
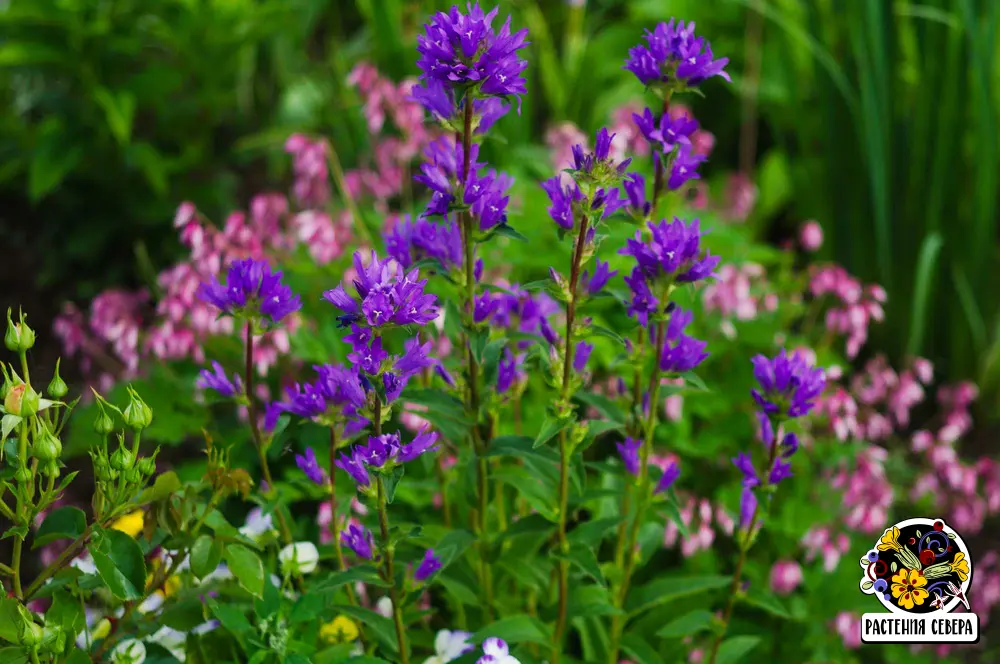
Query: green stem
{"x": 345, "y": 194}
{"x": 248, "y": 379}
{"x": 631, "y": 555}
{"x": 564, "y": 448}
{"x": 390, "y": 577}
{"x": 334, "y": 522}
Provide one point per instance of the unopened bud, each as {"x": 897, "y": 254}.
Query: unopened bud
{"x": 19, "y": 338}
{"x": 50, "y": 468}
{"x": 133, "y": 476}
{"x": 57, "y": 386}
{"x": 47, "y": 447}
{"x": 122, "y": 459}
{"x": 147, "y": 466}
{"x": 103, "y": 425}
{"x": 32, "y": 634}
{"x": 21, "y": 400}
{"x": 137, "y": 414}
{"x": 22, "y": 475}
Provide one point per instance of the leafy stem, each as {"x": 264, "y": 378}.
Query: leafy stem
{"x": 389, "y": 572}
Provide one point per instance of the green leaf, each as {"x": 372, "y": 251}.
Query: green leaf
{"x": 768, "y": 602}
{"x": 639, "y": 650}
{"x": 592, "y": 533}
{"x": 206, "y": 553}
{"x": 530, "y": 489}
{"x": 379, "y": 624}
{"x": 52, "y": 160}
{"x": 458, "y": 590}
{"x": 66, "y": 612}
{"x": 520, "y": 628}
{"x": 734, "y": 649}
{"x": 550, "y": 427}
{"x": 7, "y": 425}
{"x": 76, "y": 656}
{"x": 391, "y": 481}
{"x": 587, "y": 600}
{"x": 668, "y": 590}
{"x": 247, "y": 568}
{"x": 63, "y": 523}
{"x": 602, "y": 404}
{"x": 11, "y": 622}
{"x": 518, "y": 446}
{"x": 601, "y": 331}
{"x": 674, "y": 512}
{"x": 20, "y": 532}
{"x": 20, "y": 656}
{"x": 119, "y": 111}
{"x": 231, "y": 617}
{"x": 688, "y": 624}
{"x": 585, "y": 559}
{"x": 120, "y": 563}
{"x": 363, "y": 573}
{"x": 164, "y": 485}
{"x": 452, "y": 546}
{"x": 691, "y": 378}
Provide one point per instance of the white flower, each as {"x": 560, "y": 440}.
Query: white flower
{"x": 496, "y": 651}
{"x": 257, "y": 524}
{"x": 449, "y": 645}
{"x": 220, "y": 573}
{"x": 172, "y": 640}
{"x": 205, "y": 627}
{"x": 129, "y": 651}
{"x": 300, "y": 558}
{"x": 152, "y": 603}
{"x": 383, "y": 607}
{"x": 85, "y": 564}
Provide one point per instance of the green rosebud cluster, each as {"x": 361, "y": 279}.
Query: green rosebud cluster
{"x": 19, "y": 337}
{"x": 137, "y": 414}
{"x": 47, "y": 449}
{"x": 121, "y": 473}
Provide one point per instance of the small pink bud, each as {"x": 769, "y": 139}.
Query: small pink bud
{"x": 811, "y": 236}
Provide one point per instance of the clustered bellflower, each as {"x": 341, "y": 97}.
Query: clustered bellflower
{"x": 413, "y": 240}
{"x": 483, "y": 192}
{"x": 309, "y": 465}
{"x": 680, "y": 353}
{"x": 359, "y": 540}
{"x": 673, "y": 59}
{"x": 672, "y": 254}
{"x": 382, "y": 453}
{"x": 251, "y": 291}
{"x": 670, "y": 139}
{"x": 464, "y": 52}
{"x": 427, "y": 567}
{"x": 218, "y": 380}
{"x": 439, "y": 100}
{"x": 594, "y": 171}
{"x": 788, "y": 387}
{"x": 386, "y": 295}
{"x": 336, "y": 393}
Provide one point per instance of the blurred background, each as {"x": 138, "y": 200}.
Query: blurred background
{"x": 876, "y": 118}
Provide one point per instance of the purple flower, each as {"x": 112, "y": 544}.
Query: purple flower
{"x": 508, "y": 371}
{"x": 766, "y": 429}
{"x": 496, "y": 651}
{"x": 415, "y": 358}
{"x": 602, "y": 274}
{"x": 310, "y": 466}
{"x": 439, "y": 100}
{"x": 387, "y": 296}
{"x": 628, "y": 449}
{"x": 483, "y": 191}
{"x": 483, "y": 306}
{"x": 379, "y": 450}
{"x": 643, "y": 302}
{"x": 781, "y": 470}
{"x": 666, "y": 134}
{"x": 423, "y": 442}
{"x": 359, "y": 540}
{"x": 251, "y": 289}
{"x": 427, "y": 567}
{"x": 581, "y": 356}
{"x": 463, "y": 50}
{"x": 744, "y": 464}
{"x": 680, "y": 352}
{"x": 218, "y": 381}
{"x": 392, "y": 386}
{"x": 635, "y": 189}
{"x": 684, "y": 167}
{"x": 672, "y": 252}
{"x": 597, "y": 165}
{"x": 569, "y": 203}
{"x": 670, "y": 475}
{"x": 369, "y": 358}
{"x": 354, "y": 466}
{"x": 790, "y": 443}
{"x": 674, "y": 58}
{"x": 789, "y": 385}
{"x": 271, "y": 414}
{"x": 748, "y": 507}
{"x": 415, "y": 240}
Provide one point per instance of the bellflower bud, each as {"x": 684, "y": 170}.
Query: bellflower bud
{"x": 19, "y": 337}
{"x": 137, "y": 414}
{"x": 57, "y": 388}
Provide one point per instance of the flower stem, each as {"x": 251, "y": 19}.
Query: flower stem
{"x": 642, "y": 499}
{"x": 334, "y": 522}
{"x": 397, "y": 611}
{"x": 248, "y": 379}
{"x": 564, "y": 447}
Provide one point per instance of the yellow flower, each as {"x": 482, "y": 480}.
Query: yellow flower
{"x": 101, "y": 630}
{"x": 339, "y": 630}
{"x": 960, "y": 566}
{"x": 889, "y": 540}
{"x": 908, "y": 588}
{"x": 130, "y": 524}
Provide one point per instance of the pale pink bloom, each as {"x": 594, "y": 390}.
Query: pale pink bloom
{"x": 921, "y": 441}
{"x": 811, "y": 236}
{"x": 741, "y": 194}
{"x": 786, "y": 575}
{"x": 848, "y": 625}
{"x": 560, "y": 141}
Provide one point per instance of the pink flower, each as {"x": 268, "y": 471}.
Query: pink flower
{"x": 786, "y": 575}
{"x": 848, "y": 625}
{"x": 811, "y": 236}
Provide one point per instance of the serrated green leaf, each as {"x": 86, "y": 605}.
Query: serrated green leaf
{"x": 120, "y": 564}
{"x": 736, "y": 648}
{"x": 667, "y": 590}
{"x": 246, "y": 567}
{"x": 550, "y": 427}
{"x": 61, "y": 523}
{"x": 164, "y": 485}
{"x": 688, "y": 624}
{"x": 206, "y": 554}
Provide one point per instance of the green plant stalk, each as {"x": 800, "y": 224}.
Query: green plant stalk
{"x": 564, "y": 450}
{"x": 642, "y": 499}
{"x": 745, "y": 546}
{"x": 334, "y": 522}
{"x": 248, "y": 380}
{"x": 22, "y": 455}
{"x": 472, "y": 406}
{"x": 338, "y": 177}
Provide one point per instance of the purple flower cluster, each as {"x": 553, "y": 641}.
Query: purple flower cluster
{"x": 598, "y": 165}
{"x": 680, "y": 353}
{"x": 386, "y": 295}
{"x": 384, "y": 452}
{"x": 484, "y": 191}
{"x": 359, "y": 540}
{"x": 336, "y": 391}
{"x": 628, "y": 449}
{"x": 218, "y": 380}
{"x": 309, "y": 465}
{"x": 413, "y": 240}
{"x": 789, "y": 385}
{"x": 673, "y": 254}
{"x": 427, "y": 567}
{"x": 670, "y": 139}
{"x": 464, "y": 52}
{"x": 251, "y": 290}
{"x": 439, "y": 100}
{"x": 674, "y": 58}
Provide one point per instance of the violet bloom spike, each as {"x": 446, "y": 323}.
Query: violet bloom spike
{"x": 628, "y": 449}
{"x": 428, "y": 566}
{"x": 359, "y": 540}
{"x": 674, "y": 59}
{"x": 252, "y": 290}
{"x": 789, "y": 385}
{"x": 218, "y": 380}
{"x": 668, "y": 478}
